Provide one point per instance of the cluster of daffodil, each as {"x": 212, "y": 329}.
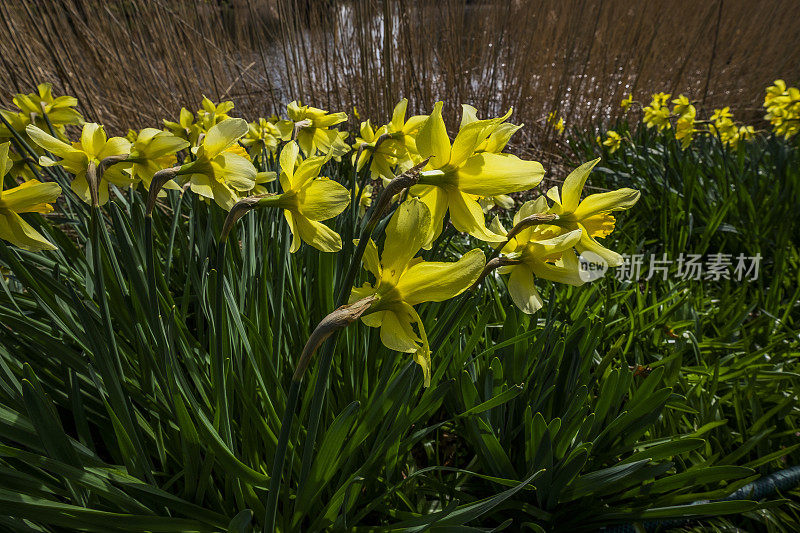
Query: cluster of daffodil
{"x": 783, "y": 108}
{"x": 212, "y": 155}
{"x": 781, "y": 102}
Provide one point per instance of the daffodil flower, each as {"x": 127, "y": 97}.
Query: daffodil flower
{"x": 396, "y": 149}
{"x": 60, "y": 111}
{"x": 592, "y": 215}
{"x": 456, "y": 175}
{"x": 613, "y": 141}
{"x": 30, "y": 197}
{"x": 403, "y": 281}
{"x": 261, "y": 135}
{"x": 93, "y": 147}
{"x": 218, "y": 172}
{"x": 212, "y": 114}
{"x": 185, "y": 128}
{"x": 626, "y": 102}
{"x": 552, "y": 258}
{"x": 310, "y": 127}
{"x": 307, "y": 200}
{"x": 557, "y": 122}
{"x": 152, "y": 150}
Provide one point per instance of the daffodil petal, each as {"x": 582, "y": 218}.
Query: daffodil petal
{"x": 315, "y": 234}
{"x": 493, "y": 174}
{"x": 523, "y": 291}
{"x": 406, "y": 233}
{"x": 559, "y": 274}
{"x": 573, "y": 185}
{"x": 432, "y": 139}
{"x": 322, "y": 199}
{"x": 31, "y": 196}
{"x": 439, "y": 281}
{"x": 222, "y": 135}
{"x": 19, "y": 233}
{"x": 467, "y": 216}
{"x": 588, "y": 243}
{"x": 50, "y": 143}
{"x": 607, "y": 201}
{"x": 397, "y": 332}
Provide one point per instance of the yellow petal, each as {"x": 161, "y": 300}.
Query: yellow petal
{"x": 607, "y": 201}
{"x": 114, "y": 146}
{"x": 587, "y": 242}
{"x": 436, "y": 200}
{"x": 560, "y": 274}
{"x": 223, "y": 135}
{"x": 399, "y": 114}
{"x": 573, "y": 185}
{"x": 31, "y": 196}
{"x": 493, "y": 174}
{"x": 467, "y": 215}
{"x": 288, "y": 159}
{"x": 370, "y": 259}
{"x": 406, "y": 233}
{"x": 432, "y": 139}
{"x": 397, "y": 332}
{"x": 523, "y": 291}
{"x": 322, "y": 199}
{"x": 50, "y": 143}
{"x": 235, "y": 171}
{"x": 438, "y": 281}
{"x": 313, "y": 233}
{"x": 5, "y": 163}
{"x": 19, "y": 233}
{"x": 93, "y": 139}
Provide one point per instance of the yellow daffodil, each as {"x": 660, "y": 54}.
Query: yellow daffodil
{"x": 660, "y": 99}
{"x": 366, "y": 199}
{"x": 724, "y": 126}
{"x": 456, "y": 175}
{"x": 384, "y": 158}
{"x": 783, "y": 108}
{"x": 746, "y": 132}
{"x": 403, "y": 281}
{"x": 310, "y": 127}
{"x": 152, "y": 150}
{"x": 550, "y": 258}
{"x": 686, "y": 113}
{"x": 185, "y": 128}
{"x": 626, "y": 102}
{"x": 557, "y": 122}
{"x": 211, "y": 114}
{"x": 592, "y": 215}
{"x": 219, "y": 172}
{"x": 93, "y": 147}
{"x": 33, "y": 107}
{"x": 261, "y": 135}
{"x": 308, "y": 199}
{"x": 30, "y": 197}
{"x": 613, "y": 141}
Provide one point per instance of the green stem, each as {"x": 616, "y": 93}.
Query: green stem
{"x": 280, "y": 457}
{"x": 218, "y": 356}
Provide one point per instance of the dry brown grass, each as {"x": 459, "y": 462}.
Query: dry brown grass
{"x": 132, "y": 62}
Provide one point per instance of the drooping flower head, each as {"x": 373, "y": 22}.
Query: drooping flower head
{"x": 92, "y": 147}
{"x": 220, "y": 171}
{"x": 308, "y": 199}
{"x": 403, "y": 281}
